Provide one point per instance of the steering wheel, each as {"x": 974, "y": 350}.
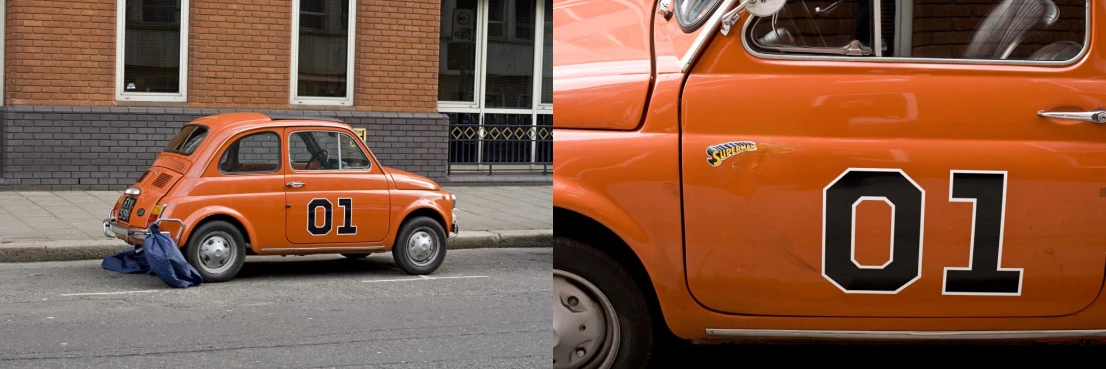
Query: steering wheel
{"x": 321, "y": 155}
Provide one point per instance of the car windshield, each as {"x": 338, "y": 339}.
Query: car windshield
{"x": 187, "y": 140}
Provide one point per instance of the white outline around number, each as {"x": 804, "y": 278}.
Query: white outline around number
{"x": 921, "y": 232}
{"x": 852, "y": 244}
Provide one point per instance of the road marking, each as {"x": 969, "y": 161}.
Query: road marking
{"x": 423, "y": 278}
{"x": 108, "y": 293}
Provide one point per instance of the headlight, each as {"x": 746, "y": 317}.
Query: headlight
{"x": 454, "y": 198}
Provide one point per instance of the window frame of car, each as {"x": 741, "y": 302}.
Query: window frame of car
{"x": 206, "y": 133}
{"x": 747, "y": 41}
{"x": 698, "y": 23}
{"x": 364, "y": 151}
{"x": 217, "y": 159}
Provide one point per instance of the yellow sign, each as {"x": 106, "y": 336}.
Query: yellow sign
{"x": 361, "y": 132}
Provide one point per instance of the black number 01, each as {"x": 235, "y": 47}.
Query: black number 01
{"x": 328, "y": 218}
{"x": 984, "y": 275}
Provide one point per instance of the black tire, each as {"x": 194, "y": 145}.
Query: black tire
{"x": 206, "y": 233}
{"x": 419, "y": 227}
{"x": 635, "y": 324}
{"x": 356, "y": 256}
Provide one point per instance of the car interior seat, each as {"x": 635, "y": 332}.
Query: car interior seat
{"x": 1006, "y": 26}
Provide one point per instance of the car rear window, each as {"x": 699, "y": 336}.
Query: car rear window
{"x": 187, "y": 140}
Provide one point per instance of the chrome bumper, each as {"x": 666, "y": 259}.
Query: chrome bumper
{"x": 132, "y": 235}
{"x": 453, "y": 229}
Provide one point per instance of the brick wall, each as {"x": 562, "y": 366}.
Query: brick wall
{"x": 63, "y": 53}
{"x": 60, "y": 52}
{"x": 107, "y": 148}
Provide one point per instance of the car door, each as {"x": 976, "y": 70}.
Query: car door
{"x": 246, "y": 176}
{"x": 336, "y": 194}
{"x": 826, "y": 177}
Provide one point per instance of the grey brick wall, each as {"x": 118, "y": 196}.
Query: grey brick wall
{"x": 107, "y": 148}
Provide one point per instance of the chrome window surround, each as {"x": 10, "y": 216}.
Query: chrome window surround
{"x": 338, "y": 131}
{"x": 687, "y": 25}
{"x": 746, "y": 41}
{"x": 705, "y": 32}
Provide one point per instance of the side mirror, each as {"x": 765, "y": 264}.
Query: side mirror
{"x": 760, "y": 8}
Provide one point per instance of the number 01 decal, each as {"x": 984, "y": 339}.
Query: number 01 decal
{"x": 984, "y": 275}
{"x": 347, "y": 228}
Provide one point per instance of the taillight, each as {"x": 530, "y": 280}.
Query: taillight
{"x": 155, "y": 213}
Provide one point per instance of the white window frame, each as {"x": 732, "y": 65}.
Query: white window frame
{"x": 120, "y": 45}
{"x": 539, "y": 58}
{"x": 351, "y": 50}
{"x": 479, "y": 32}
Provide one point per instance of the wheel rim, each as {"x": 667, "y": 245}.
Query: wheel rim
{"x": 585, "y": 326}
{"x": 217, "y": 253}
{"x": 422, "y": 248}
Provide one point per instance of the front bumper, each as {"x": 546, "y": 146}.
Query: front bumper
{"x": 453, "y": 229}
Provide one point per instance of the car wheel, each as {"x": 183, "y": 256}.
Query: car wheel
{"x": 420, "y": 247}
{"x": 217, "y": 250}
{"x": 355, "y": 256}
{"x": 600, "y": 318}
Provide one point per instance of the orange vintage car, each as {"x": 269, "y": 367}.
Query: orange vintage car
{"x": 847, "y": 170}
{"x": 237, "y": 184}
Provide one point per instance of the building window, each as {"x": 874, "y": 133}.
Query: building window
{"x": 457, "y": 66}
{"x": 547, "y": 58}
{"x": 496, "y": 83}
{"x": 322, "y": 51}
{"x": 151, "y": 50}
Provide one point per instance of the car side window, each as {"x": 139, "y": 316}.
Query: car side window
{"x": 352, "y": 155}
{"x": 254, "y": 153}
{"x": 325, "y": 150}
{"x": 1027, "y": 31}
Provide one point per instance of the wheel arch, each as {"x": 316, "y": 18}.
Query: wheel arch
{"x": 579, "y": 227}
{"x": 220, "y": 216}
{"x": 423, "y": 211}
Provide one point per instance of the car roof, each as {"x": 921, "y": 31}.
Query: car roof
{"x": 249, "y": 120}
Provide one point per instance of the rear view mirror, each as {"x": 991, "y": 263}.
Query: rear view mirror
{"x": 759, "y": 8}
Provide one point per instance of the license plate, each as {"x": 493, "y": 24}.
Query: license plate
{"x": 125, "y": 211}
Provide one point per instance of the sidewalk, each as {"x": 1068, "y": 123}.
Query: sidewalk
{"x": 67, "y": 225}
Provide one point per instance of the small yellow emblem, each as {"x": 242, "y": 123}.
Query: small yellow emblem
{"x": 716, "y": 154}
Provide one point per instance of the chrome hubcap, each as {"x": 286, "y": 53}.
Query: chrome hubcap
{"x": 585, "y": 328}
{"x": 216, "y": 254}
{"x": 421, "y": 248}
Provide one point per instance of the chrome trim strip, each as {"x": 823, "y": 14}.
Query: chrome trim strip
{"x": 352, "y": 248}
{"x": 705, "y": 31}
{"x": 745, "y": 42}
{"x": 904, "y": 335}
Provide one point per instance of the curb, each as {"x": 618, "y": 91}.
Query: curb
{"x": 42, "y": 251}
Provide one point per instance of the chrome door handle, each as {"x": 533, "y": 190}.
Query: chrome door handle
{"x": 294, "y": 184}
{"x": 1093, "y": 116}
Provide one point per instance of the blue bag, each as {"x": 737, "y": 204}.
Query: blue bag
{"x": 127, "y": 261}
{"x": 167, "y": 261}
{"x": 159, "y": 256}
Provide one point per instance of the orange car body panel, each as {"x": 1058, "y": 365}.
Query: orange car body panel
{"x": 262, "y": 204}
{"x": 739, "y": 245}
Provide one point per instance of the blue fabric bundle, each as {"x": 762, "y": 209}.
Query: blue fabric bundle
{"x": 159, "y": 256}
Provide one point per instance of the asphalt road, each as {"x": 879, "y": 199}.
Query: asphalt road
{"x": 485, "y": 308}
